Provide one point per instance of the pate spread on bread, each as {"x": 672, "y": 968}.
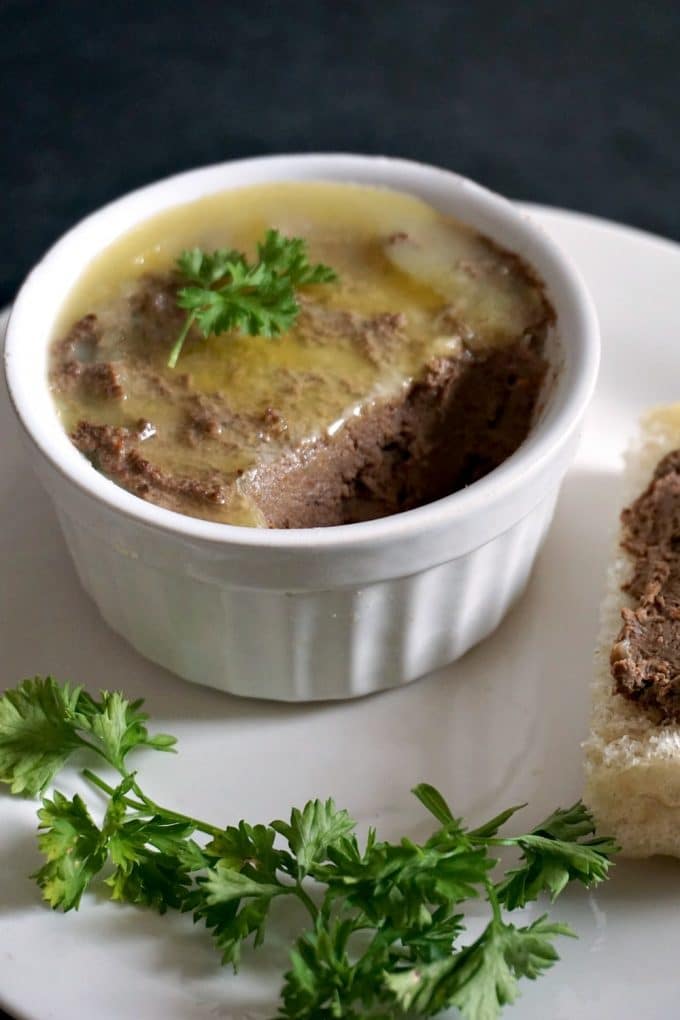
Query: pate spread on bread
{"x": 632, "y": 758}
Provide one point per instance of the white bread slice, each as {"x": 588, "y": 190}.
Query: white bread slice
{"x": 632, "y": 763}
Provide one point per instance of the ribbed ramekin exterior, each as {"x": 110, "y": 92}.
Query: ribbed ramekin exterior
{"x": 307, "y": 645}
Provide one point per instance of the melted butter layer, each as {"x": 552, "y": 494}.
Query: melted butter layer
{"x": 412, "y": 285}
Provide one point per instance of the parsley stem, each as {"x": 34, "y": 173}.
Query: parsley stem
{"x": 493, "y": 901}
{"x": 305, "y": 898}
{"x": 177, "y": 816}
{"x": 150, "y": 806}
{"x": 97, "y": 781}
{"x": 179, "y": 342}
{"x": 96, "y": 750}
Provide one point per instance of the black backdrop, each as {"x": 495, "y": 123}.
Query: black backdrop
{"x": 564, "y": 102}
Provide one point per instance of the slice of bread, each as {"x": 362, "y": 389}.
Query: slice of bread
{"x": 632, "y": 762}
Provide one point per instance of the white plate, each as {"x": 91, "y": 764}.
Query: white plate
{"x": 502, "y": 726}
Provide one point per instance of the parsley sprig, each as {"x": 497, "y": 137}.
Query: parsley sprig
{"x": 385, "y": 933}
{"x": 226, "y": 292}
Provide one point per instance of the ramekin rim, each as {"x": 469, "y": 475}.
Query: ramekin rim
{"x": 544, "y": 440}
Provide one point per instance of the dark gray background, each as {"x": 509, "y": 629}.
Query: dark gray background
{"x": 571, "y": 103}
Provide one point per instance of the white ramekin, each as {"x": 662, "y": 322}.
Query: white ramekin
{"x": 308, "y": 613}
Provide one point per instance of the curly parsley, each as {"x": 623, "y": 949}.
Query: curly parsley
{"x": 385, "y": 920}
{"x": 226, "y": 292}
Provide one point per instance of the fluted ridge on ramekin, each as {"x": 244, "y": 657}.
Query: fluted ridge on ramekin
{"x": 297, "y": 646}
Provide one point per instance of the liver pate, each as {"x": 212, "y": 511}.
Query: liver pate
{"x": 645, "y": 660}
{"x": 453, "y": 426}
{"x": 387, "y": 393}
{"x": 114, "y": 450}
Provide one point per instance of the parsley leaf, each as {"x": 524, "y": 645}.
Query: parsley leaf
{"x": 483, "y": 977}
{"x": 251, "y": 847}
{"x": 232, "y": 923}
{"x": 42, "y": 723}
{"x": 75, "y": 850}
{"x": 153, "y": 860}
{"x": 234, "y": 897}
{"x": 322, "y": 980}
{"x": 313, "y": 831}
{"x": 553, "y": 855}
{"x": 38, "y": 733}
{"x": 228, "y": 293}
{"x": 432, "y": 799}
{"x": 288, "y": 256}
{"x": 219, "y": 902}
{"x": 224, "y": 884}
{"x": 119, "y": 726}
{"x": 394, "y": 883}
{"x": 204, "y": 269}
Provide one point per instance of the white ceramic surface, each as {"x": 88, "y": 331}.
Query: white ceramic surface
{"x": 307, "y": 614}
{"x": 502, "y": 726}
